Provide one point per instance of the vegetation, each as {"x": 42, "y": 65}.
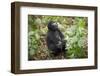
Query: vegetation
{"x": 75, "y": 30}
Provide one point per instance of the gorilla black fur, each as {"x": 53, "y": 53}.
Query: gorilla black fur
{"x": 55, "y": 39}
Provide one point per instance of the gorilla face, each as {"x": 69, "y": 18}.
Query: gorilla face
{"x": 52, "y": 26}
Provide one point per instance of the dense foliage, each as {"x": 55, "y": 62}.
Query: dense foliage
{"x": 75, "y": 30}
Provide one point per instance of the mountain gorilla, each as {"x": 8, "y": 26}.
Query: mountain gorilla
{"x": 55, "y": 39}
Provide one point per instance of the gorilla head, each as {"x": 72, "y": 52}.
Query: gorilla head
{"x": 52, "y": 26}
